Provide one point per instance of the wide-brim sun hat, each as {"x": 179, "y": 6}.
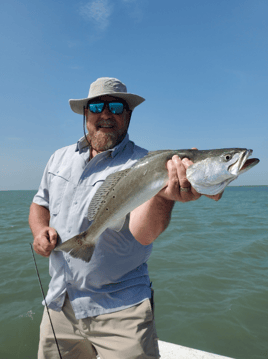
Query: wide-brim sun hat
{"x": 106, "y": 86}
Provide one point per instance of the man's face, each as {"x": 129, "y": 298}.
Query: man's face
{"x": 105, "y": 129}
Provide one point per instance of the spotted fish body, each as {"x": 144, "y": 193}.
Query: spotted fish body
{"x": 125, "y": 190}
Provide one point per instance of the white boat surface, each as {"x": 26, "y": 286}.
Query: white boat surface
{"x": 173, "y": 351}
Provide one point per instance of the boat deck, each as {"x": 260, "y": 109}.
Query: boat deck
{"x": 172, "y": 351}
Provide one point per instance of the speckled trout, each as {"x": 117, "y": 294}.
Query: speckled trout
{"x": 123, "y": 191}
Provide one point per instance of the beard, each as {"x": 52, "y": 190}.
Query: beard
{"x": 100, "y": 141}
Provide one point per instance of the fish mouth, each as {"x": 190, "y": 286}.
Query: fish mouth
{"x": 244, "y": 164}
{"x": 249, "y": 164}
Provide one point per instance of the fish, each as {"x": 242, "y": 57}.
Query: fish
{"x": 125, "y": 190}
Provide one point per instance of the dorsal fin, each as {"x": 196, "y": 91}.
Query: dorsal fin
{"x": 103, "y": 191}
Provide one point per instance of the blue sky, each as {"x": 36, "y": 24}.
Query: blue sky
{"x": 200, "y": 64}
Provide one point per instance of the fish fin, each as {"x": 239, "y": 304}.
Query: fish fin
{"x": 118, "y": 225}
{"x": 103, "y": 191}
{"x": 78, "y": 247}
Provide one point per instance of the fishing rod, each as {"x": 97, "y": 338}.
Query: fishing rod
{"x": 45, "y": 301}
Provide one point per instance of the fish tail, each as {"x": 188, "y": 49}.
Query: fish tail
{"x": 78, "y": 247}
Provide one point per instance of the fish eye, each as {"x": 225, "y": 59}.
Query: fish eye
{"x": 228, "y": 157}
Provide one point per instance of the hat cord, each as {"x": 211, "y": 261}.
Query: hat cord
{"x": 84, "y": 126}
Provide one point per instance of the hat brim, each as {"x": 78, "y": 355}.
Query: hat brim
{"x": 132, "y": 100}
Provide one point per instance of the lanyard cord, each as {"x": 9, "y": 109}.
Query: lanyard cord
{"x": 84, "y": 125}
{"x": 45, "y": 301}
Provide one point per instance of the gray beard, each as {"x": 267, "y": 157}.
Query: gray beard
{"x": 105, "y": 141}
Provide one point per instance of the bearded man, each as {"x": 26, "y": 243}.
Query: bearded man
{"x": 103, "y": 307}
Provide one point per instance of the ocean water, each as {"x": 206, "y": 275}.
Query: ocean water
{"x": 209, "y": 271}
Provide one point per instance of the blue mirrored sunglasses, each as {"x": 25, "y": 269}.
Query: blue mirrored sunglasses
{"x": 116, "y": 108}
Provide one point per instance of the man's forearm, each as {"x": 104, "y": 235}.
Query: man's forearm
{"x": 150, "y": 219}
{"x": 45, "y": 237}
{"x": 38, "y": 218}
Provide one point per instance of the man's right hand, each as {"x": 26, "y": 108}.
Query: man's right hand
{"x": 45, "y": 241}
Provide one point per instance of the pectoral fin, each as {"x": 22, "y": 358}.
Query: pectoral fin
{"x": 118, "y": 225}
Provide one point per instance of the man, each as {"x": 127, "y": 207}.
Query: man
{"x": 103, "y": 305}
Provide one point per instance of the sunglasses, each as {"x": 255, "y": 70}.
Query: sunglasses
{"x": 116, "y": 108}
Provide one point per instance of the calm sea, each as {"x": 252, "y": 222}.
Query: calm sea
{"x": 209, "y": 271}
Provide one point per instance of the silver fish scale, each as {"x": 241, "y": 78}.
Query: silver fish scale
{"x": 99, "y": 198}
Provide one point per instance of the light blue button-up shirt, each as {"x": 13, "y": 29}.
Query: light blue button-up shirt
{"x": 117, "y": 275}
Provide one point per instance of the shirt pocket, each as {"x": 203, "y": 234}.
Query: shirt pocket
{"x": 59, "y": 179}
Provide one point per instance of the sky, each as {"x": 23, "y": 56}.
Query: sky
{"x": 201, "y": 65}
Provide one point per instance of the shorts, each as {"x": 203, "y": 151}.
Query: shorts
{"x": 125, "y": 334}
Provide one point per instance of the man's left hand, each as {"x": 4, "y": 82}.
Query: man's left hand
{"x": 178, "y": 187}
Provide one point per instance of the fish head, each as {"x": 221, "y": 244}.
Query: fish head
{"x": 213, "y": 170}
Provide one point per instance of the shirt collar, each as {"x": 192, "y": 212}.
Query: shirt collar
{"x": 82, "y": 143}
{"x": 114, "y": 151}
